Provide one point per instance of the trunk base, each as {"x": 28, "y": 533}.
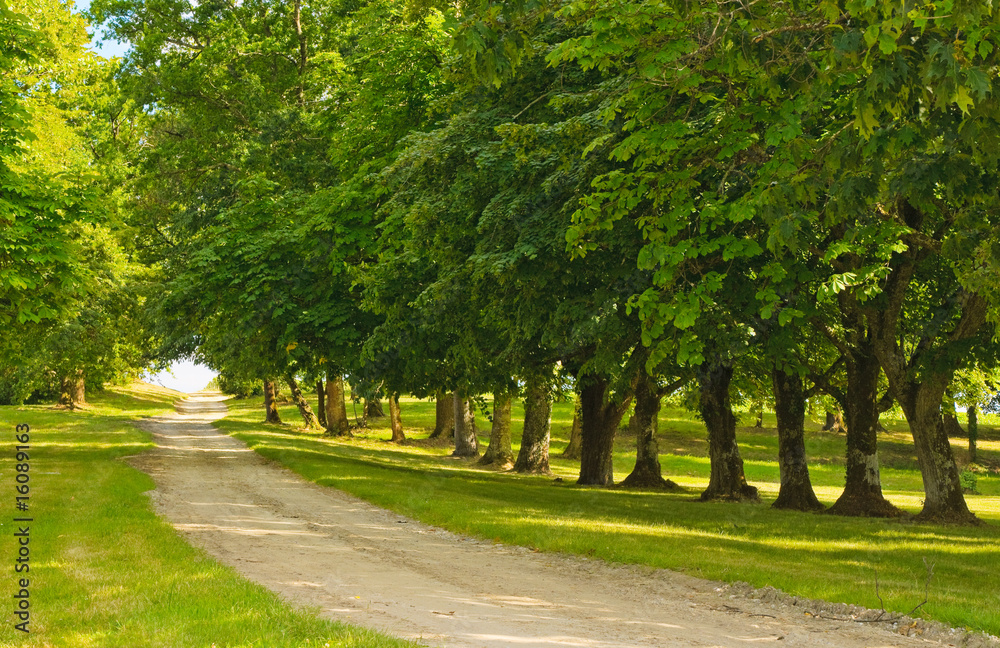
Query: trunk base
{"x": 864, "y": 505}
{"x": 744, "y": 493}
{"x": 497, "y": 461}
{"x": 797, "y": 500}
{"x": 648, "y": 481}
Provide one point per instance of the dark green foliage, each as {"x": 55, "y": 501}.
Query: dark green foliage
{"x": 239, "y": 388}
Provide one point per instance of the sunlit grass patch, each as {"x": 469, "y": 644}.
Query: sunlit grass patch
{"x": 105, "y": 571}
{"x": 817, "y": 556}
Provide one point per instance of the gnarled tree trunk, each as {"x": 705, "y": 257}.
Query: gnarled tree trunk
{"x": 466, "y": 442}
{"x": 337, "y": 422}
{"x": 444, "y": 417}
{"x": 645, "y": 423}
{"x": 601, "y": 417}
{"x": 920, "y": 395}
{"x": 534, "y": 454}
{"x": 395, "y": 421}
{"x": 308, "y": 416}
{"x": 944, "y": 500}
{"x": 862, "y": 496}
{"x": 796, "y": 491}
{"x": 499, "y": 453}
{"x": 270, "y": 406}
{"x": 727, "y": 481}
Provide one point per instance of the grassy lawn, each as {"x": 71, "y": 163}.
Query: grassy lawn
{"x": 105, "y": 571}
{"x": 817, "y": 556}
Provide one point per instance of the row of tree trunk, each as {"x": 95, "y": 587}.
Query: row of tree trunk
{"x": 599, "y": 413}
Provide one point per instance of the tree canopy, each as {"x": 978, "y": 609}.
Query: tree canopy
{"x": 762, "y": 202}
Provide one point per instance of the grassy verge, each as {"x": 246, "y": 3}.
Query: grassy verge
{"x": 104, "y": 570}
{"x": 816, "y": 556}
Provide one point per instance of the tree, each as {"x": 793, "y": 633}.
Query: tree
{"x": 644, "y": 424}
{"x": 796, "y": 490}
{"x": 858, "y": 123}
{"x": 498, "y": 453}
{"x": 43, "y": 192}
{"x": 466, "y": 441}
{"x": 533, "y": 457}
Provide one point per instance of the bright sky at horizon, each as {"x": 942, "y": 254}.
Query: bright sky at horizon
{"x": 184, "y": 376}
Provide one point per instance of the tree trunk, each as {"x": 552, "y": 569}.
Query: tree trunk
{"x": 796, "y": 491}
{"x": 73, "y": 390}
{"x": 760, "y": 420}
{"x": 951, "y": 424}
{"x": 834, "y": 422}
{"x": 300, "y": 402}
{"x": 862, "y": 496}
{"x": 321, "y": 402}
{"x": 270, "y": 405}
{"x": 920, "y": 395}
{"x": 727, "y": 481}
{"x": 373, "y": 408}
{"x": 973, "y": 433}
{"x": 466, "y": 443}
{"x": 499, "y": 453}
{"x": 572, "y": 451}
{"x": 944, "y": 500}
{"x": 336, "y": 409}
{"x": 534, "y": 454}
{"x": 395, "y": 422}
{"x": 444, "y": 417}
{"x": 645, "y": 423}
{"x": 600, "y": 419}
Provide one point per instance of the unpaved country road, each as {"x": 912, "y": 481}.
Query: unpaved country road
{"x": 320, "y": 547}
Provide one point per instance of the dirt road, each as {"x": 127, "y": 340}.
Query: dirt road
{"x": 320, "y": 547}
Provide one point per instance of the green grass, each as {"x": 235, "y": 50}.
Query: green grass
{"x": 817, "y": 556}
{"x": 105, "y": 571}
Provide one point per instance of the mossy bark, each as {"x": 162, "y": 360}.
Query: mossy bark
{"x": 727, "y": 480}
{"x": 862, "y": 496}
{"x": 395, "y": 420}
{"x": 337, "y": 422}
{"x": 600, "y": 419}
{"x": 444, "y": 417}
{"x": 920, "y": 394}
{"x": 73, "y": 390}
{"x": 796, "y": 491}
{"x": 499, "y": 454}
{"x": 466, "y": 442}
{"x": 270, "y": 404}
{"x": 645, "y": 424}
{"x": 533, "y": 456}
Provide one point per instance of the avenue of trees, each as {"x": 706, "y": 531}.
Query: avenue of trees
{"x": 748, "y": 200}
